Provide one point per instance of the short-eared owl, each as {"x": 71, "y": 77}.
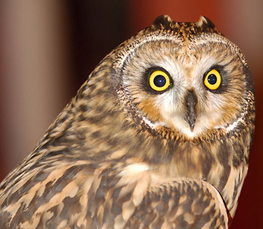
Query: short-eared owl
{"x": 157, "y": 137}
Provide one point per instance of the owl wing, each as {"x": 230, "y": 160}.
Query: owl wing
{"x": 180, "y": 204}
{"x": 109, "y": 196}
{"x": 146, "y": 200}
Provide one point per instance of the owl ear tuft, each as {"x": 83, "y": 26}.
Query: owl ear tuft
{"x": 204, "y": 23}
{"x": 163, "y": 20}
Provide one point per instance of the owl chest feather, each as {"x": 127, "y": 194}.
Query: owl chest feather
{"x": 221, "y": 162}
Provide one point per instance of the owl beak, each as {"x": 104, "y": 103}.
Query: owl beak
{"x": 191, "y": 101}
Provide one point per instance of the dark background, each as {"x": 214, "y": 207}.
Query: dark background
{"x": 48, "y": 48}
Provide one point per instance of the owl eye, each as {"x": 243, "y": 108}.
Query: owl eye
{"x": 159, "y": 80}
{"x": 212, "y": 79}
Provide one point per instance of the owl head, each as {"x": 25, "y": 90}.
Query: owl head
{"x": 184, "y": 77}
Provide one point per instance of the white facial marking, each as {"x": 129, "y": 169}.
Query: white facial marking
{"x": 233, "y": 125}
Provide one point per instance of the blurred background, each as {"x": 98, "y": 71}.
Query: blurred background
{"x": 48, "y": 48}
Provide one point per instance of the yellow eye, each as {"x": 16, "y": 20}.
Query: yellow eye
{"x": 159, "y": 80}
{"x": 212, "y": 80}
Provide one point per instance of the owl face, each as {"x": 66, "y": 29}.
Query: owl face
{"x": 191, "y": 84}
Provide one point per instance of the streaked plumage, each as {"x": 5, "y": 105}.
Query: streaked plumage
{"x": 128, "y": 154}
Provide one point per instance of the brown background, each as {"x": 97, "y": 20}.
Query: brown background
{"x": 47, "y": 49}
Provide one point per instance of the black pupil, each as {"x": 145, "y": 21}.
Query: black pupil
{"x": 159, "y": 81}
{"x": 212, "y": 79}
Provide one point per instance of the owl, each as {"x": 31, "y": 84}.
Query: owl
{"x": 157, "y": 137}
